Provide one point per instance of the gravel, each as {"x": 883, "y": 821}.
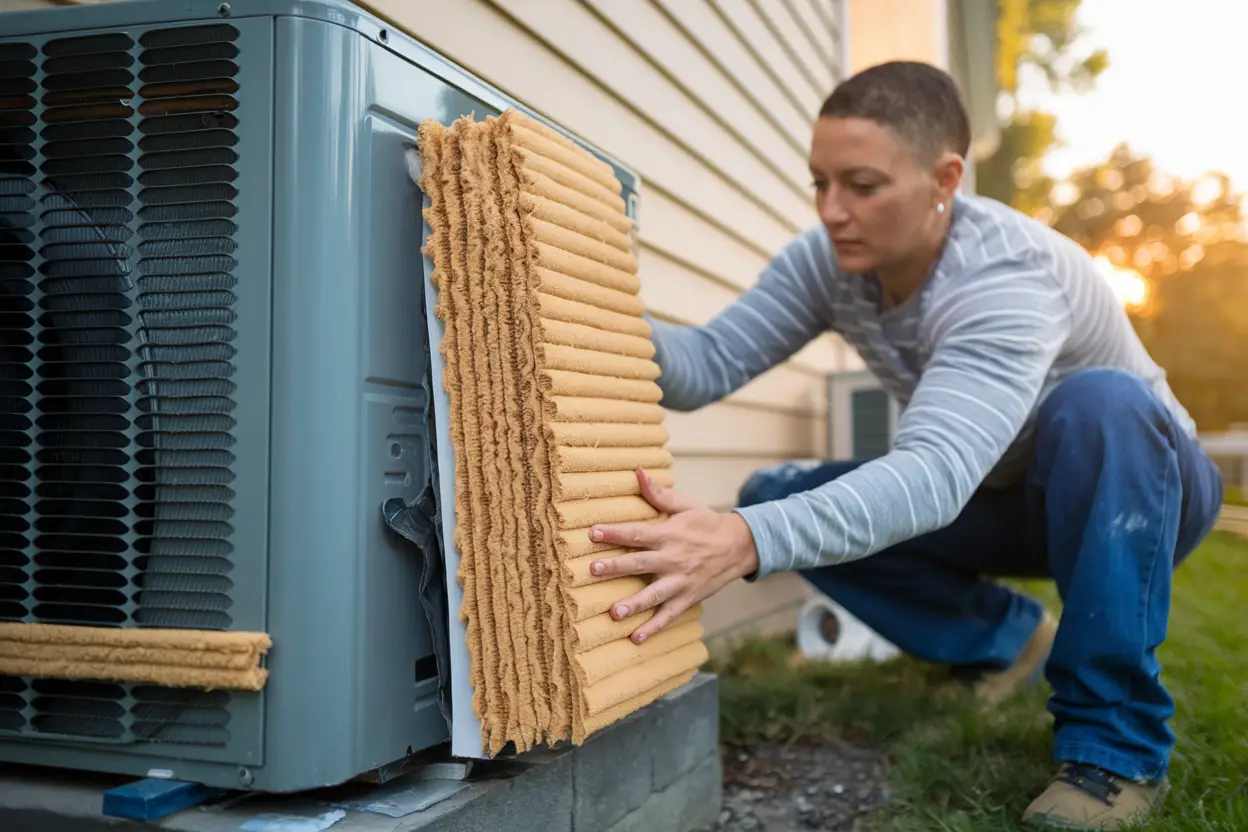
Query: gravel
{"x": 830, "y": 786}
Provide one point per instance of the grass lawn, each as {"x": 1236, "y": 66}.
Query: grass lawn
{"x": 1235, "y": 496}
{"x": 956, "y": 769}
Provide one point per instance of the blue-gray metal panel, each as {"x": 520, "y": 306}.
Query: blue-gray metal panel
{"x": 394, "y": 635}
{"x": 348, "y": 361}
{"x": 869, "y": 415}
{"x": 319, "y": 243}
{"x": 250, "y": 589}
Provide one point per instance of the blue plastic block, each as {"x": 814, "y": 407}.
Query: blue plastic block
{"x": 152, "y": 798}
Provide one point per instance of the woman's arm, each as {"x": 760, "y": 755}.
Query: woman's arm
{"x": 789, "y": 306}
{"x": 996, "y": 336}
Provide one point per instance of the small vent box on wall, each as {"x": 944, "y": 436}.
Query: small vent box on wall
{"x": 216, "y": 370}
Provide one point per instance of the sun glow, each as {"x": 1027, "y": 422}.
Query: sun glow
{"x": 1129, "y": 285}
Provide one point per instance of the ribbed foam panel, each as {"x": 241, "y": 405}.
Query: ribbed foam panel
{"x": 554, "y": 404}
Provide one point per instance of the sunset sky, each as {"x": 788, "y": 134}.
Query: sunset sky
{"x": 1171, "y": 90}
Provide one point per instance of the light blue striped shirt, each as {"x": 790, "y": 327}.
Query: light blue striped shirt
{"x": 1010, "y": 309}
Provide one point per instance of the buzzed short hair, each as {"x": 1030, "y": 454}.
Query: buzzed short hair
{"x": 917, "y": 101}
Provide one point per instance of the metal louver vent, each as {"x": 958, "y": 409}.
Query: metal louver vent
{"x": 117, "y": 275}
{"x": 186, "y": 298}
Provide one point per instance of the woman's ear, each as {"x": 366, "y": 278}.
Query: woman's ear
{"x": 947, "y": 173}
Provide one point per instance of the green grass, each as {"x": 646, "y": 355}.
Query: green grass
{"x": 956, "y": 768}
{"x": 1235, "y": 496}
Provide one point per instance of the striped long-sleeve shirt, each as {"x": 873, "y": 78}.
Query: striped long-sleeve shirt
{"x": 1010, "y": 308}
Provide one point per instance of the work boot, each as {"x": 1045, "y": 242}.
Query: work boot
{"x": 995, "y": 687}
{"x": 1086, "y": 797}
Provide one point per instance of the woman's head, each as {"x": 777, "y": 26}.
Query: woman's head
{"x": 886, "y": 157}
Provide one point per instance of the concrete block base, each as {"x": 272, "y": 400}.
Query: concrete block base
{"x": 657, "y": 769}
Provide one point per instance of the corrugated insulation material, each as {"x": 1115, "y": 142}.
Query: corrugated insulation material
{"x": 203, "y": 659}
{"x": 550, "y": 374}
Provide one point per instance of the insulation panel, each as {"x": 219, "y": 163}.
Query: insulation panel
{"x": 554, "y": 403}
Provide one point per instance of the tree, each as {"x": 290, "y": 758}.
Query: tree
{"x": 1033, "y": 36}
{"x": 1139, "y": 217}
{"x": 1187, "y": 240}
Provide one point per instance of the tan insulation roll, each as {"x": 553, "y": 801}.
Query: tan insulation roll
{"x": 593, "y": 386}
{"x": 641, "y": 677}
{"x": 607, "y": 434}
{"x": 573, "y": 220}
{"x": 576, "y": 514}
{"x": 595, "y": 319}
{"x": 592, "y": 599}
{"x": 598, "y": 630}
{"x": 587, "y": 360}
{"x": 576, "y": 570}
{"x": 200, "y": 659}
{"x": 615, "y": 713}
{"x": 576, "y": 459}
{"x": 566, "y": 154}
{"x": 584, "y": 246}
{"x": 581, "y": 409}
{"x": 554, "y": 405}
{"x": 589, "y": 484}
{"x": 551, "y": 256}
{"x": 573, "y": 288}
{"x": 572, "y": 543}
{"x": 537, "y": 185}
{"x": 565, "y": 334}
{"x": 575, "y": 180}
{"x": 619, "y": 655}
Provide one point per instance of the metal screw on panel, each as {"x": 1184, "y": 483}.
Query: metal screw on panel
{"x": 384, "y": 36}
{"x": 245, "y": 776}
{"x": 223, "y": 10}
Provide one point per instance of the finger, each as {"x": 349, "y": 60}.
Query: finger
{"x": 664, "y": 616}
{"x": 629, "y": 535}
{"x": 663, "y": 498}
{"x": 658, "y": 591}
{"x": 633, "y": 563}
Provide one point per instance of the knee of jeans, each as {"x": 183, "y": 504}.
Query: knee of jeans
{"x": 766, "y": 483}
{"x": 1101, "y": 395}
{"x": 755, "y": 488}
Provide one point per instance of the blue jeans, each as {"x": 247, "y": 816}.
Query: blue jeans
{"x": 1116, "y": 496}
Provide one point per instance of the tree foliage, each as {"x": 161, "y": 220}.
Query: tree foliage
{"x": 1186, "y": 239}
{"x": 1141, "y": 218}
{"x": 1033, "y": 36}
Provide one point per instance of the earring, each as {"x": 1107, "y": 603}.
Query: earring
{"x": 940, "y": 208}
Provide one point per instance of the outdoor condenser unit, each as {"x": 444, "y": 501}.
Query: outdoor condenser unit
{"x": 220, "y": 401}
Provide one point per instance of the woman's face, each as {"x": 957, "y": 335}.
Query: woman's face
{"x": 873, "y": 194}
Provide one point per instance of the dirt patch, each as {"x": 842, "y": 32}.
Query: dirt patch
{"x": 829, "y": 786}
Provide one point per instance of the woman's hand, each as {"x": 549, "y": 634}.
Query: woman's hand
{"x": 692, "y": 555}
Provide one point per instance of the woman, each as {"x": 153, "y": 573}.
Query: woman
{"x": 1038, "y": 439}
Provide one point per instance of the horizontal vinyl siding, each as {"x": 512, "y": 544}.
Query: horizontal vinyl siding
{"x": 711, "y": 101}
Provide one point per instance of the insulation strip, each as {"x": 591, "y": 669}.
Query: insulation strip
{"x": 202, "y": 659}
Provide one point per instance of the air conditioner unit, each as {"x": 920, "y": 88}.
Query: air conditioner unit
{"x": 862, "y": 416}
{"x": 216, "y": 372}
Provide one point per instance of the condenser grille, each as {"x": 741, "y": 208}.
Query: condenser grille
{"x": 85, "y": 331}
{"x": 18, "y": 279}
{"x": 118, "y": 225}
{"x": 114, "y": 713}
